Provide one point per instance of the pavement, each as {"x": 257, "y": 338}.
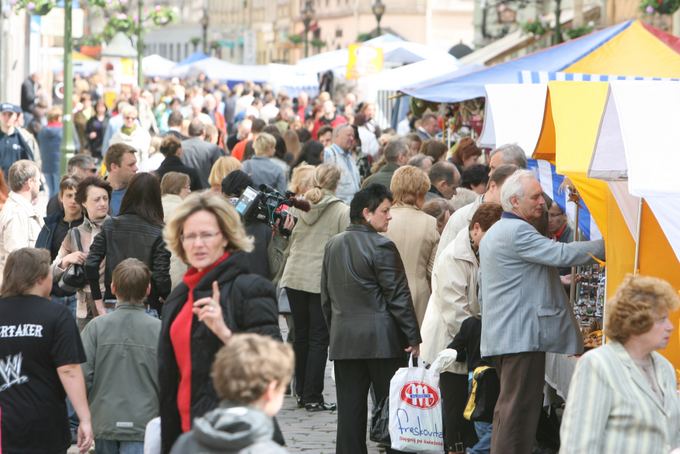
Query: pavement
{"x": 307, "y": 432}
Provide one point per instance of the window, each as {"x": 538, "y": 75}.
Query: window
{"x": 338, "y": 32}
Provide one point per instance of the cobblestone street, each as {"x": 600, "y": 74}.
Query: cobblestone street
{"x": 307, "y": 432}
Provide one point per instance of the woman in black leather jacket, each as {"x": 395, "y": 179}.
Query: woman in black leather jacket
{"x": 218, "y": 296}
{"x": 136, "y": 232}
{"x": 367, "y": 305}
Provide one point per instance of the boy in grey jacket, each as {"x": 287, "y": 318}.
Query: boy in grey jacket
{"x": 250, "y": 374}
{"x": 121, "y": 372}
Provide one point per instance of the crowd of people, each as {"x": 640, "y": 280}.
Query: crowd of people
{"x": 142, "y": 297}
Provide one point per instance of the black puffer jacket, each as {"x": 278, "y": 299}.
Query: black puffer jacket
{"x": 128, "y": 236}
{"x": 249, "y": 305}
{"x": 365, "y": 297}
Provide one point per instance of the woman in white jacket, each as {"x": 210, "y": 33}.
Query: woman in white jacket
{"x": 453, "y": 299}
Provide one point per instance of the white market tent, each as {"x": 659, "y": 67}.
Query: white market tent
{"x": 396, "y": 52}
{"x": 411, "y": 74}
{"x": 281, "y": 77}
{"x": 639, "y": 147}
{"x": 157, "y": 66}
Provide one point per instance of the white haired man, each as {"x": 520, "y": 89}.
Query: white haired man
{"x": 20, "y": 222}
{"x": 525, "y": 309}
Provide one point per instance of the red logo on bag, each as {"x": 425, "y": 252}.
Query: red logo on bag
{"x": 419, "y": 394}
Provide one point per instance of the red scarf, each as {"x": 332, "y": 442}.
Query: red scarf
{"x": 180, "y": 338}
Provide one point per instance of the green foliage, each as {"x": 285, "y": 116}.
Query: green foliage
{"x": 659, "y": 6}
{"x": 295, "y": 39}
{"x": 362, "y": 37}
{"x": 535, "y": 27}
{"x": 34, "y": 7}
{"x": 577, "y": 32}
{"x": 317, "y": 43}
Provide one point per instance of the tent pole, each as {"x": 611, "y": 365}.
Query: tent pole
{"x": 636, "y": 264}
{"x": 572, "y": 285}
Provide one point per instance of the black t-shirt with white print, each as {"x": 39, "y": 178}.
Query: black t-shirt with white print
{"x": 36, "y": 337}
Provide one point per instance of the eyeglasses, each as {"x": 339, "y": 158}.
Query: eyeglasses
{"x": 203, "y": 236}
{"x": 129, "y": 118}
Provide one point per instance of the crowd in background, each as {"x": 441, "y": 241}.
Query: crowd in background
{"x": 384, "y": 259}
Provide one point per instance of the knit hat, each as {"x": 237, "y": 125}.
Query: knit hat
{"x": 235, "y": 183}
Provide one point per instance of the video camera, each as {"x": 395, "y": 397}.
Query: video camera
{"x": 269, "y": 206}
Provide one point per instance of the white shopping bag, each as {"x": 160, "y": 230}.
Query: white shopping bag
{"x": 415, "y": 410}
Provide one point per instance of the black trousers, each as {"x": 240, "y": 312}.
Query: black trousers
{"x": 310, "y": 344}
{"x": 458, "y": 431}
{"x": 353, "y": 377}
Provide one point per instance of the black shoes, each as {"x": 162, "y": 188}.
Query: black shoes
{"x": 300, "y": 403}
{"x": 320, "y": 406}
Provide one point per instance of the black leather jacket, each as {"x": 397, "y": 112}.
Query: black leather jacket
{"x": 248, "y": 304}
{"x": 128, "y": 236}
{"x": 365, "y": 297}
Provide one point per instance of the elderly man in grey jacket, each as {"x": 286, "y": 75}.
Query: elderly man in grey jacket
{"x": 525, "y": 309}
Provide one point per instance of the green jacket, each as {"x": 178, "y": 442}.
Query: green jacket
{"x": 121, "y": 372}
{"x": 382, "y": 176}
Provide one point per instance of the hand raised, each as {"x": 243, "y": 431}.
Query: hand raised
{"x": 209, "y": 311}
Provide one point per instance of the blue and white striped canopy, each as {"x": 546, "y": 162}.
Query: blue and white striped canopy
{"x": 550, "y": 182}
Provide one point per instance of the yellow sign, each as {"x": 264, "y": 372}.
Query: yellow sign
{"x": 364, "y": 60}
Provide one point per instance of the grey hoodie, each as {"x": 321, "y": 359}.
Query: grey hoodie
{"x": 225, "y": 430}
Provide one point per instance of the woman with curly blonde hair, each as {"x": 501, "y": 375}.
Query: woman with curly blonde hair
{"x": 623, "y": 396}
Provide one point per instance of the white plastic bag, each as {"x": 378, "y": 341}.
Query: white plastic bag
{"x": 415, "y": 410}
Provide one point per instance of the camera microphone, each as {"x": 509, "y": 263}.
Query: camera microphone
{"x": 300, "y": 204}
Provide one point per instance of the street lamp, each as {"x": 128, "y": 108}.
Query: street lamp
{"x": 378, "y": 9}
{"x": 307, "y": 17}
{"x": 205, "y": 21}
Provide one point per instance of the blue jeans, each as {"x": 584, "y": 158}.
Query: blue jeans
{"x": 483, "y": 430}
{"x": 69, "y": 301}
{"x": 483, "y": 446}
{"x": 118, "y": 447}
{"x": 52, "y": 180}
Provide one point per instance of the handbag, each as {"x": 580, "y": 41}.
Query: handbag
{"x": 73, "y": 278}
{"x": 483, "y": 396}
{"x": 380, "y": 422}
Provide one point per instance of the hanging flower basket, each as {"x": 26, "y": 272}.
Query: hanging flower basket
{"x": 535, "y": 27}
{"x": 34, "y": 7}
{"x": 659, "y": 6}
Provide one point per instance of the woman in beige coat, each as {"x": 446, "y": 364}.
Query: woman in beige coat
{"x": 93, "y": 194}
{"x": 301, "y": 278}
{"x": 413, "y": 232}
{"x": 454, "y": 298}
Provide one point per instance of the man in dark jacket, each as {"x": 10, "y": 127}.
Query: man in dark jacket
{"x": 396, "y": 155}
{"x": 28, "y": 91}
{"x": 13, "y": 146}
{"x": 198, "y": 153}
{"x": 171, "y": 148}
{"x": 57, "y": 226}
{"x": 369, "y": 312}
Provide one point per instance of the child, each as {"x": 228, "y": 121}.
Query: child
{"x": 466, "y": 344}
{"x": 250, "y": 375}
{"x": 121, "y": 372}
